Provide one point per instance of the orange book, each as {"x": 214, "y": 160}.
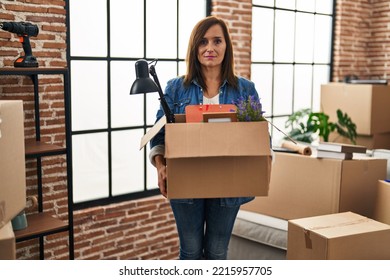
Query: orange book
{"x": 194, "y": 113}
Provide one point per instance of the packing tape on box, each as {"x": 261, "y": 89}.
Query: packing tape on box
{"x": 348, "y": 223}
{"x": 307, "y": 231}
{"x": 308, "y": 243}
{"x": 300, "y": 148}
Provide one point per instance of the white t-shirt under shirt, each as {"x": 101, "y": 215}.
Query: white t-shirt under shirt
{"x": 214, "y": 100}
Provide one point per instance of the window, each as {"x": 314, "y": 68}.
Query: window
{"x": 291, "y": 55}
{"x": 106, "y": 38}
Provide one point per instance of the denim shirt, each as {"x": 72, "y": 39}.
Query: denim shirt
{"x": 178, "y": 97}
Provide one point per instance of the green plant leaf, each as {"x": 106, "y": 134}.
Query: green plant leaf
{"x": 346, "y": 127}
{"x": 303, "y": 124}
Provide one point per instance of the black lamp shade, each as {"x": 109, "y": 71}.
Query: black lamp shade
{"x": 143, "y": 83}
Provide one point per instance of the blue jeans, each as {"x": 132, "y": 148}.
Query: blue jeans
{"x": 204, "y": 227}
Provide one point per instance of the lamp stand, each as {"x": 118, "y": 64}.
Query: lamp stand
{"x": 169, "y": 115}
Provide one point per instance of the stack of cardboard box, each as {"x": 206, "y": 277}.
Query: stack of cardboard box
{"x": 303, "y": 187}
{"x": 339, "y": 208}
{"x": 12, "y": 173}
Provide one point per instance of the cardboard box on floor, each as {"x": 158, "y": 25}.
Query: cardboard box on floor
{"x": 12, "y": 160}
{"x": 382, "y": 202}
{"x": 305, "y": 186}
{"x": 366, "y": 104}
{"x": 205, "y": 160}
{"x": 7, "y": 243}
{"x": 340, "y": 236}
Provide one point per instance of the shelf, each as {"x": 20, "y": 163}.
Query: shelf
{"x": 40, "y": 224}
{"x": 35, "y": 149}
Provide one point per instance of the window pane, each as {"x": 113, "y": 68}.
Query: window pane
{"x": 127, "y": 36}
{"x": 90, "y": 166}
{"x": 262, "y": 35}
{"x": 302, "y": 87}
{"x": 126, "y": 109}
{"x": 161, "y": 27}
{"x": 165, "y": 70}
{"x": 284, "y": 36}
{"x": 127, "y": 162}
{"x": 324, "y": 6}
{"x": 306, "y": 5}
{"x": 278, "y": 136}
{"x": 182, "y": 68}
{"x": 152, "y": 105}
{"x": 269, "y": 3}
{"x": 320, "y": 77}
{"x": 283, "y": 89}
{"x": 304, "y": 38}
{"x": 89, "y": 95}
{"x": 85, "y": 16}
{"x": 262, "y": 77}
{"x": 151, "y": 179}
{"x": 286, "y": 4}
{"x": 190, "y": 12}
{"x": 323, "y": 38}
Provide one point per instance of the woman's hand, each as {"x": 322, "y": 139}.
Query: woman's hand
{"x": 161, "y": 174}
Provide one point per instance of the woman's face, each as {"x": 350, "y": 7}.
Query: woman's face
{"x": 211, "y": 50}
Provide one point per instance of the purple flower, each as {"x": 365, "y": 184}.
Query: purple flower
{"x": 249, "y": 110}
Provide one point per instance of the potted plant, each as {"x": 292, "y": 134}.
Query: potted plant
{"x": 305, "y": 124}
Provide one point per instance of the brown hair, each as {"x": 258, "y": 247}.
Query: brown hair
{"x": 193, "y": 64}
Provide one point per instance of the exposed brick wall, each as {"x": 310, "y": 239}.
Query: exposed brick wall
{"x": 362, "y": 39}
{"x": 238, "y": 15}
{"x": 379, "y": 43}
{"x": 141, "y": 229}
{"x": 145, "y": 229}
